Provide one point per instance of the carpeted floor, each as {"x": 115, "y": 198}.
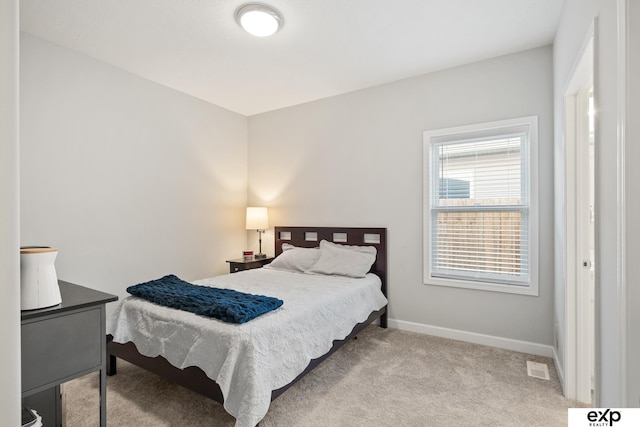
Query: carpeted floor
{"x": 385, "y": 378}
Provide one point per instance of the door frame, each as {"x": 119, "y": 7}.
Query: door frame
{"x": 626, "y": 341}
{"x": 577, "y": 370}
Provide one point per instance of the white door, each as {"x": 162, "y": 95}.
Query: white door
{"x": 580, "y": 230}
{"x": 585, "y": 242}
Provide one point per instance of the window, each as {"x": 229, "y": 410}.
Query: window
{"x": 480, "y": 218}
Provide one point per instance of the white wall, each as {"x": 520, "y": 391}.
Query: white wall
{"x": 577, "y": 16}
{"x": 356, "y": 160}
{"x": 10, "y": 385}
{"x": 632, "y": 154}
{"x": 130, "y": 180}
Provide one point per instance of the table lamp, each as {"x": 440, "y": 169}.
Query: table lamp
{"x": 38, "y": 278}
{"x": 258, "y": 219}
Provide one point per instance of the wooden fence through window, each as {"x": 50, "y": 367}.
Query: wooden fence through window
{"x": 480, "y": 241}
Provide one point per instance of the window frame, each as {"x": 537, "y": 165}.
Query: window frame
{"x": 499, "y": 128}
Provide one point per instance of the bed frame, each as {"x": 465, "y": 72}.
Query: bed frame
{"x": 195, "y": 379}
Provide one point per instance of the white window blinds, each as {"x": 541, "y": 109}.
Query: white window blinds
{"x": 480, "y": 206}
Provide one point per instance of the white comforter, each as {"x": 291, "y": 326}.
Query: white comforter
{"x": 248, "y": 361}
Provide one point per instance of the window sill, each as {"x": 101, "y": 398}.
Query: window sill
{"x": 530, "y": 289}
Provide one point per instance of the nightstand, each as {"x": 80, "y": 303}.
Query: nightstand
{"x": 61, "y": 343}
{"x": 242, "y": 264}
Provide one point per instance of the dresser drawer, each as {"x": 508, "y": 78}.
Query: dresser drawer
{"x": 59, "y": 348}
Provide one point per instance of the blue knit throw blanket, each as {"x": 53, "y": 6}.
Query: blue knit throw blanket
{"x": 224, "y": 304}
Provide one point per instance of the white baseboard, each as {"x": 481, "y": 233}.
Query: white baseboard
{"x": 472, "y": 337}
{"x": 559, "y": 371}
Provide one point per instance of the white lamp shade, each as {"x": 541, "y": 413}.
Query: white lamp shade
{"x": 38, "y": 280}
{"x": 257, "y": 218}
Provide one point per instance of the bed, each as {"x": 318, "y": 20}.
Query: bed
{"x": 246, "y": 366}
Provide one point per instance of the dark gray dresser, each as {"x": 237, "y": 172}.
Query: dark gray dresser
{"x": 61, "y": 343}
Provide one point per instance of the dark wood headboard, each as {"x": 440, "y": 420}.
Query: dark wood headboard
{"x": 310, "y": 237}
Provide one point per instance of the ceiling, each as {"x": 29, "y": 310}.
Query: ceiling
{"x": 326, "y": 47}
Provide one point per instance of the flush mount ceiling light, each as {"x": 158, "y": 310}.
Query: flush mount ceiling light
{"x": 258, "y": 19}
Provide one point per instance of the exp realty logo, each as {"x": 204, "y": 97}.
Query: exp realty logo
{"x": 604, "y": 417}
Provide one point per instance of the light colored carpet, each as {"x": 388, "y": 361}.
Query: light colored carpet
{"x": 386, "y": 377}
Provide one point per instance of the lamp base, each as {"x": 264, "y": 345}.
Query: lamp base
{"x": 260, "y": 256}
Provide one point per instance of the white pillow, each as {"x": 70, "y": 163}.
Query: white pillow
{"x": 295, "y": 259}
{"x": 344, "y": 260}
